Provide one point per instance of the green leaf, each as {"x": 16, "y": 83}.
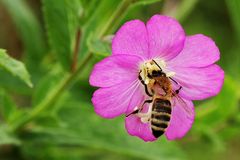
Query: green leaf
{"x": 232, "y": 130}
{"x": 212, "y": 137}
{"x": 233, "y": 8}
{"x": 99, "y": 46}
{"x": 88, "y": 9}
{"x": 229, "y": 62}
{"x": 14, "y": 67}
{"x": 144, "y": 2}
{"x": 32, "y": 151}
{"x": 61, "y": 18}
{"x": 7, "y": 138}
{"x": 7, "y": 106}
{"x": 179, "y": 9}
{"x": 46, "y": 84}
{"x": 96, "y": 22}
{"x": 11, "y": 84}
{"x": 74, "y": 11}
{"x": 184, "y": 9}
{"x": 28, "y": 27}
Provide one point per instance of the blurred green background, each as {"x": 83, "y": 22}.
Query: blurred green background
{"x": 56, "y": 42}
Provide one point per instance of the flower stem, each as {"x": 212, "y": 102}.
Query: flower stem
{"x": 115, "y": 16}
{"x": 76, "y": 50}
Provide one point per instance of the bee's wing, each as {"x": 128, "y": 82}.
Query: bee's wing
{"x": 183, "y": 104}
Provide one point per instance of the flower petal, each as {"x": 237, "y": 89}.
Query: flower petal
{"x": 198, "y": 51}
{"x": 114, "y": 70}
{"x": 131, "y": 38}
{"x": 119, "y": 99}
{"x": 199, "y": 83}
{"x": 181, "y": 120}
{"x": 135, "y": 127}
{"x": 166, "y": 37}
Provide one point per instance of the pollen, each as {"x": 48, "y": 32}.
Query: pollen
{"x": 147, "y": 67}
{"x": 145, "y": 117}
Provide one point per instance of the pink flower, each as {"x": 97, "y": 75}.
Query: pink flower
{"x": 189, "y": 60}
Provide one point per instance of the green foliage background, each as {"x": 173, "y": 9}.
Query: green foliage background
{"x": 45, "y": 98}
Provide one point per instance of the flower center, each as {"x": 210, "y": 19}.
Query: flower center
{"x": 154, "y": 67}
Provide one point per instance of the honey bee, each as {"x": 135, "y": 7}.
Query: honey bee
{"x": 159, "y": 87}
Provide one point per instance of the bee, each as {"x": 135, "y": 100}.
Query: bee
{"x": 159, "y": 87}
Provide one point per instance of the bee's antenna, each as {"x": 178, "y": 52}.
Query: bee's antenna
{"x": 173, "y": 80}
{"x": 177, "y": 91}
{"x": 134, "y": 112}
{"x": 157, "y": 64}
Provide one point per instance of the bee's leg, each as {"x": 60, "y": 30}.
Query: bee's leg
{"x": 177, "y": 91}
{"x": 180, "y": 87}
{"x": 146, "y": 101}
{"x": 134, "y": 112}
{"x": 145, "y": 117}
{"x": 145, "y": 86}
{"x": 138, "y": 110}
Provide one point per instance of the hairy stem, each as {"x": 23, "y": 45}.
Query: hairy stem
{"x": 76, "y": 50}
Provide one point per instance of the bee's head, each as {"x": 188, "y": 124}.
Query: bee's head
{"x": 156, "y": 73}
{"x": 153, "y": 70}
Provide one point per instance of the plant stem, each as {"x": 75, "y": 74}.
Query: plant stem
{"x": 76, "y": 50}
{"x": 52, "y": 96}
{"x": 119, "y": 11}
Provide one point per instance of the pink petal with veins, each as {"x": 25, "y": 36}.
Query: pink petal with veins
{"x": 166, "y": 37}
{"x": 199, "y": 83}
{"x": 131, "y": 39}
{"x": 198, "y": 51}
{"x": 114, "y": 70}
{"x": 119, "y": 99}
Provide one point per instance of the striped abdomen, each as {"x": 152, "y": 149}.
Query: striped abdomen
{"x": 161, "y": 114}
